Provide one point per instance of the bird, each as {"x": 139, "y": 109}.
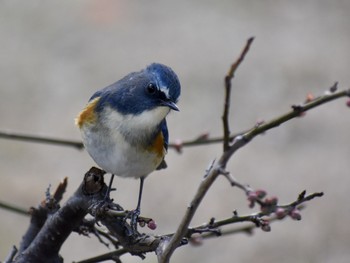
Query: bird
{"x": 124, "y": 128}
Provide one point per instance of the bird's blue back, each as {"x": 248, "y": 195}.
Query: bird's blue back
{"x": 127, "y": 95}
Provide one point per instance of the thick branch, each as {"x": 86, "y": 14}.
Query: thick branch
{"x": 39, "y": 215}
{"x": 47, "y": 243}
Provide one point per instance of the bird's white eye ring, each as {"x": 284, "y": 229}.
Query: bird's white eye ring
{"x": 151, "y": 88}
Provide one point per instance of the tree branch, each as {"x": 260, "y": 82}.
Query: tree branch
{"x": 40, "y": 214}
{"x": 141, "y": 244}
{"x": 43, "y": 241}
{"x": 40, "y": 139}
{"x": 14, "y": 208}
{"x": 266, "y": 210}
{"x": 238, "y": 142}
{"x": 214, "y": 171}
{"x": 228, "y": 80}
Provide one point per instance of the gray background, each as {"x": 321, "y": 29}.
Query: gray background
{"x": 55, "y": 54}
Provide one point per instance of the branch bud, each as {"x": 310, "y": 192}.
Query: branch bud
{"x": 348, "y": 103}
{"x": 252, "y": 196}
{"x": 196, "y": 239}
{"x": 178, "y": 145}
{"x": 260, "y": 193}
{"x": 271, "y": 201}
{"x": 295, "y": 214}
{"x": 152, "y": 225}
{"x": 280, "y": 213}
{"x": 309, "y": 97}
{"x": 265, "y": 226}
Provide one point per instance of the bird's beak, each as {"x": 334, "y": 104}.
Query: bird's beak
{"x": 171, "y": 105}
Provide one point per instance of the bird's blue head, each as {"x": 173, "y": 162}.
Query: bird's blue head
{"x": 155, "y": 86}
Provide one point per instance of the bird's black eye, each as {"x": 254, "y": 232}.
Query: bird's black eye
{"x": 151, "y": 88}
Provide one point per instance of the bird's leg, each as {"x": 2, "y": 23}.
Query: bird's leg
{"x": 135, "y": 214}
{"x": 138, "y": 208}
{"x": 106, "y": 202}
{"x": 109, "y": 189}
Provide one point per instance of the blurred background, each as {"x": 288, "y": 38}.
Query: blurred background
{"x": 55, "y": 54}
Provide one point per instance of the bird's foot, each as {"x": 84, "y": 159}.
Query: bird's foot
{"x": 134, "y": 219}
{"x": 133, "y": 215}
{"x": 107, "y": 198}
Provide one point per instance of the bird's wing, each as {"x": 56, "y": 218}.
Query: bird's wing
{"x": 164, "y": 131}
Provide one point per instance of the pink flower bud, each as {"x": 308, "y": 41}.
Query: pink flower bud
{"x": 334, "y": 87}
{"x": 348, "y": 103}
{"x": 259, "y": 123}
{"x": 309, "y": 97}
{"x": 264, "y": 209}
{"x": 178, "y": 145}
{"x": 302, "y": 114}
{"x": 252, "y": 196}
{"x": 196, "y": 239}
{"x": 280, "y": 213}
{"x": 152, "y": 225}
{"x": 260, "y": 193}
{"x": 203, "y": 137}
{"x": 271, "y": 200}
{"x": 295, "y": 214}
{"x": 265, "y": 226}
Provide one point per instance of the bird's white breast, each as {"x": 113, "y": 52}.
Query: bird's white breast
{"x": 115, "y": 141}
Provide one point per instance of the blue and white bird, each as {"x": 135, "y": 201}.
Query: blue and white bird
{"x": 123, "y": 126}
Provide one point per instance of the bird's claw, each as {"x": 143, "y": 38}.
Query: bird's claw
{"x": 133, "y": 215}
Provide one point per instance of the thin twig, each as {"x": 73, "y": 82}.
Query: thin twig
{"x": 241, "y": 140}
{"x": 11, "y": 255}
{"x": 104, "y": 257}
{"x": 79, "y": 145}
{"x": 251, "y": 217}
{"x": 228, "y": 80}
{"x": 196, "y": 142}
{"x": 41, "y": 139}
{"x": 98, "y": 233}
{"x": 60, "y": 190}
{"x": 14, "y": 208}
{"x": 295, "y": 112}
